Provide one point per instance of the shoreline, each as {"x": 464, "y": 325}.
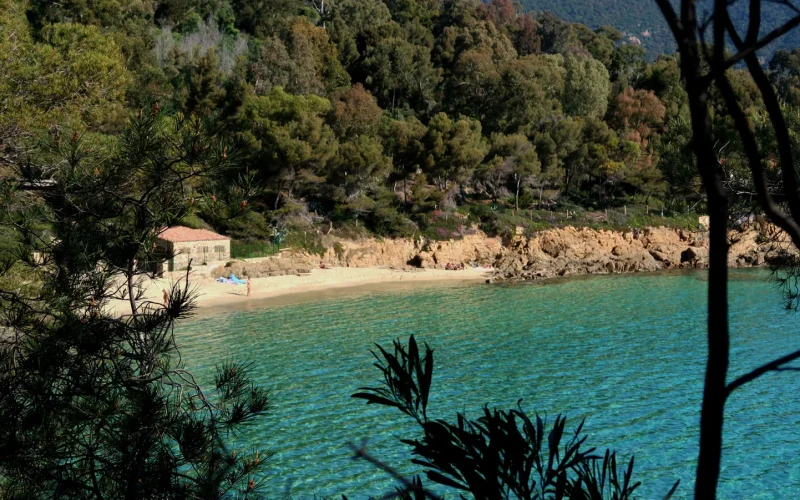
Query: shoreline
{"x": 547, "y": 255}
{"x": 214, "y": 297}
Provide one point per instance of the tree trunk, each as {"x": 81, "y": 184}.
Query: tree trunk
{"x": 516, "y": 195}
{"x": 714, "y": 394}
{"x": 712, "y": 411}
{"x": 131, "y": 294}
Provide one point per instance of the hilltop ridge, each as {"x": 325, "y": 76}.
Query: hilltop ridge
{"x": 643, "y": 20}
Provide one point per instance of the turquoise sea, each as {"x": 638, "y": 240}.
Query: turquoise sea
{"x": 624, "y": 352}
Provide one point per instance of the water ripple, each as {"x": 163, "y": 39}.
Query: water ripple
{"x": 626, "y": 353}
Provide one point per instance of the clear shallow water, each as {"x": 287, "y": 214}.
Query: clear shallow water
{"x": 625, "y": 352}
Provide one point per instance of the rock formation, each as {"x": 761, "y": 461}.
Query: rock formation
{"x": 477, "y": 248}
{"x": 571, "y": 251}
{"x": 549, "y": 253}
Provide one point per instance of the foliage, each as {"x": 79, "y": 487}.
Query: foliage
{"x": 252, "y": 249}
{"x": 585, "y": 87}
{"x": 375, "y": 113}
{"x": 502, "y": 453}
{"x": 75, "y": 75}
{"x": 104, "y": 391}
{"x": 371, "y": 113}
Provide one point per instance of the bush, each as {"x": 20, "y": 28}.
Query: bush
{"x": 349, "y": 229}
{"x": 501, "y": 454}
{"x": 249, "y": 226}
{"x": 387, "y": 221}
{"x": 193, "y": 221}
{"x": 250, "y": 249}
{"x": 307, "y": 241}
{"x": 441, "y": 225}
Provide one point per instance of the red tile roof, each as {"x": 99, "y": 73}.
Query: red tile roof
{"x": 180, "y": 234}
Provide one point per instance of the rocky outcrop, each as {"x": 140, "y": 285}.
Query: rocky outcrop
{"x": 573, "y": 251}
{"x": 289, "y": 264}
{"x": 550, "y": 253}
{"x": 474, "y": 248}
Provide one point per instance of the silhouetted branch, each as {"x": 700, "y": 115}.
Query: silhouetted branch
{"x": 761, "y": 370}
{"x": 749, "y": 50}
{"x": 751, "y": 149}
{"x": 408, "y": 485}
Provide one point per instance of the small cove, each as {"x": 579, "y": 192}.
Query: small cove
{"x": 624, "y": 352}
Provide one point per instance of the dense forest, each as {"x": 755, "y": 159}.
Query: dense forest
{"x": 643, "y": 20}
{"x": 388, "y": 117}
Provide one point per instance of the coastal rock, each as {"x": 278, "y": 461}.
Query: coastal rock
{"x": 570, "y": 251}
{"x": 258, "y": 268}
{"x": 475, "y": 248}
{"x": 553, "y": 252}
{"x": 695, "y": 257}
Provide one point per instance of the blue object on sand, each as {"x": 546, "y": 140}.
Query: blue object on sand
{"x": 236, "y": 280}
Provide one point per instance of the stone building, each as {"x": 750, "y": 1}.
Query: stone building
{"x": 180, "y": 244}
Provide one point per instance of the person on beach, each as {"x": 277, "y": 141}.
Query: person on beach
{"x": 248, "y": 286}
{"x": 166, "y": 298}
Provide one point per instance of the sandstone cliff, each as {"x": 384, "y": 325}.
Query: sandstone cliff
{"x": 553, "y": 252}
{"x": 571, "y": 251}
{"x": 478, "y": 248}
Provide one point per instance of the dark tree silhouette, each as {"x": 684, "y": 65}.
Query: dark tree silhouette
{"x": 704, "y": 65}
{"x": 96, "y": 403}
{"x": 502, "y": 454}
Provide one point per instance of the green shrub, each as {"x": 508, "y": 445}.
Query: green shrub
{"x": 387, "y": 221}
{"x": 338, "y": 250}
{"x": 250, "y": 249}
{"x": 194, "y": 221}
{"x": 350, "y": 230}
{"x": 308, "y": 241}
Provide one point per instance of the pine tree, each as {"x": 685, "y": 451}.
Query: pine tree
{"x": 96, "y": 403}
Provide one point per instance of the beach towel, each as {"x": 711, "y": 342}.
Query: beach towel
{"x": 236, "y": 280}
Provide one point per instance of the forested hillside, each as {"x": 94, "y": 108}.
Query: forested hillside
{"x": 642, "y": 19}
{"x": 387, "y": 117}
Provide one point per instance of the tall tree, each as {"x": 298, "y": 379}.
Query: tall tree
{"x": 74, "y": 75}
{"x": 200, "y": 87}
{"x": 515, "y": 156}
{"x": 291, "y": 140}
{"x": 359, "y": 166}
{"x": 401, "y": 75}
{"x": 785, "y": 74}
{"x": 586, "y": 86}
{"x": 403, "y": 142}
{"x": 704, "y": 64}
{"x": 528, "y": 94}
{"x": 355, "y": 112}
{"x": 263, "y": 17}
{"x": 454, "y": 148}
{"x": 96, "y": 403}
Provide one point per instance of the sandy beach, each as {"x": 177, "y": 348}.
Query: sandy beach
{"x": 212, "y": 295}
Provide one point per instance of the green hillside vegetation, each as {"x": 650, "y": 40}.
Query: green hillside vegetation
{"x": 284, "y": 120}
{"x": 375, "y": 116}
{"x": 635, "y": 17}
